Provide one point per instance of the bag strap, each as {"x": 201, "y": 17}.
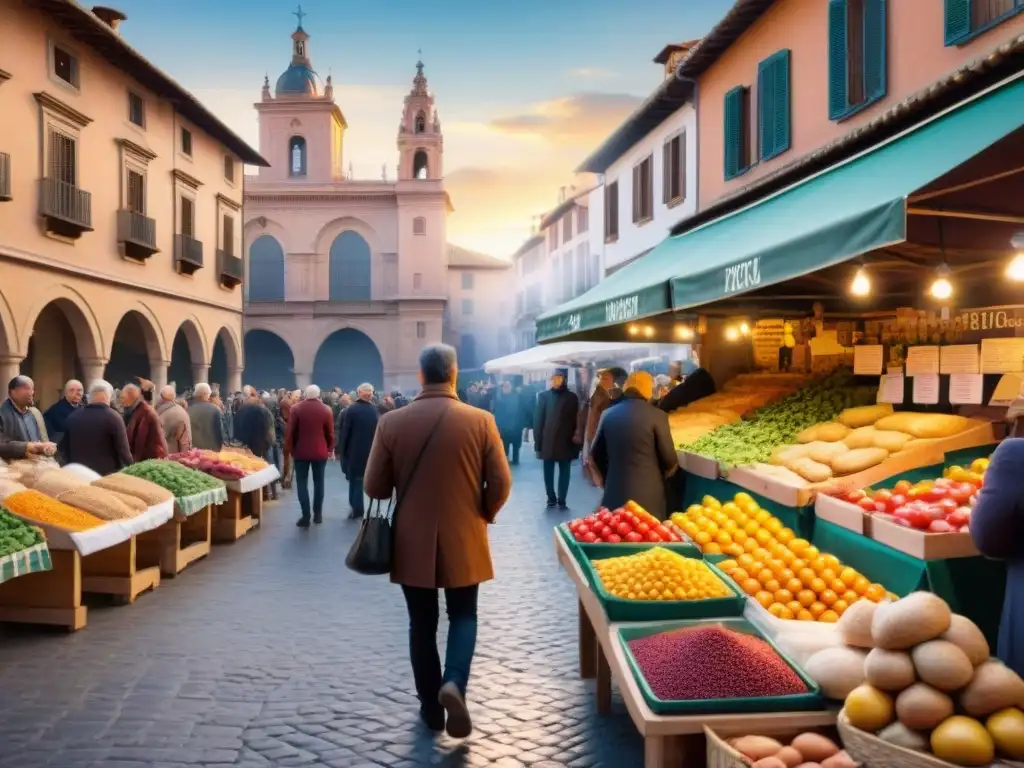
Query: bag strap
{"x": 400, "y": 494}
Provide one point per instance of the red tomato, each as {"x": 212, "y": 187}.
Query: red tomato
{"x": 916, "y": 493}
{"x": 643, "y": 528}
{"x": 854, "y": 496}
{"x": 605, "y": 516}
{"x": 653, "y": 537}
{"x": 937, "y": 493}
{"x": 613, "y": 538}
{"x": 623, "y": 529}
{"x": 582, "y": 529}
{"x": 940, "y": 526}
{"x": 606, "y": 532}
{"x": 882, "y": 495}
{"x": 578, "y": 536}
{"x": 880, "y": 506}
{"x": 918, "y": 519}
{"x": 572, "y": 525}
{"x": 590, "y": 520}
{"x": 634, "y": 537}
{"x": 589, "y": 537}
{"x": 947, "y": 505}
{"x": 902, "y": 487}
{"x": 673, "y": 536}
{"x": 895, "y": 501}
{"x": 960, "y": 517}
{"x": 867, "y": 504}
{"x": 962, "y": 492}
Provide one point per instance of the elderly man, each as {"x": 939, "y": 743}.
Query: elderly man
{"x": 310, "y": 442}
{"x": 96, "y": 435}
{"x": 175, "y": 421}
{"x": 145, "y": 433}
{"x": 205, "y": 418}
{"x": 355, "y": 437}
{"x": 22, "y": 430}
{"x": 57, "y": 414}
{"x": 254, "y": 428}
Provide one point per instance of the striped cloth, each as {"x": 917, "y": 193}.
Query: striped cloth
{"x": 31, "y": 560}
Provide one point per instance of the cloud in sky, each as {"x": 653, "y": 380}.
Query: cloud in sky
{"x": 582, "y": 118}
{"x": 592, "y": 73}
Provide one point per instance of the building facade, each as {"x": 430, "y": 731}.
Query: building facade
{"x": 348, "y": 278}
{"x": 120, "y": 211}
{"x": 478, "y": 319}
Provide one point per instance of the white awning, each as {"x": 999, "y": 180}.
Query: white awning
{"x": 565, "y": 353}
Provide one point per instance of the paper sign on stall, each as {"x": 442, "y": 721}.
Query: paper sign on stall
{"x": 922, "y": 360}
{"x": 959, "y": 358}
{"x": 1007, "y": 390}
{"x": 1002, "y": 355}
{"x": 868, "y": 360}
{"x": 965, "y": 388}
{"x": 890, "y": 389}
{"x": 926, "y": 389}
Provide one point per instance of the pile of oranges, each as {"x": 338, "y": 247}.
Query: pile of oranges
{"x": 787, "y": 575}
{"x": 659, "y": 574}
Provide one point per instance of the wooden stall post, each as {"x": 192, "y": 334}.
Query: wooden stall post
{"x": 177, "y": 543}
{"x": 115, "y": 571}
{"x": 231, "y": 521}
{"x": 48, "y": 597}
{"x": 588, "y": 645}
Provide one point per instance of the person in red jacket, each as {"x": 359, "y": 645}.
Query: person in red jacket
{"x": 309, "y": 440}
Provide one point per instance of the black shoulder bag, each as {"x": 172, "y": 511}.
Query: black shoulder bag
{"x": 373, "y": 550}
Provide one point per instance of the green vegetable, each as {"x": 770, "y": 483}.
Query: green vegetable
{"x": 751, "y": 441}
{"x": 16, "y": 534}
{"x": 178, "y": 479}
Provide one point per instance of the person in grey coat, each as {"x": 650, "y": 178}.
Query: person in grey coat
{"x": 555, "y": 438}
{"x": 633, "y": 450}
{"x": 207, "y": 428}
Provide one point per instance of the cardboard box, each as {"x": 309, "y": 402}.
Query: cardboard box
{"x": 843, "y": 513}
{"x": 776, "y": 483}
{"x": 698, "y": 465}
{"x": 923, "y": 546}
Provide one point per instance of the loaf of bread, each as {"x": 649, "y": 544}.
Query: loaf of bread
{"x": 810, "y": 470}
{"x": 864, "y": 415}
{"x": 824, "y": 452}
{"x": 924, "y": 425}
{"x": 784, "y": 453}
{"x": 858, "y": 459}
{"x": 893, "y": 442}
{"x": 829, "y": 432}
{"x": 862, "y": 437}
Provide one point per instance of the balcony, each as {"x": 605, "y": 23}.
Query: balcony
{"x": 137, "y": 233}
{"x": 230, "y": 269}
{"x": 5, "y": 176}
{"x": 188, "y": 254}
{"x": 66, "y": 208}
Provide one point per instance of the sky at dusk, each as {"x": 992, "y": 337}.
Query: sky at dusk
{"x": 525, "y": 90}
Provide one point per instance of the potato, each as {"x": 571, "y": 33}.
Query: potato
{"x": 864, "y": 415}
{"x": 840, "y": 760}
{"x": 814, "y": 747}
{"x": 917, "y": 618}
{"x": 993, "y": 687}
{"x": 823, "y": 453}
{"x": 838, "y": 671}
{"x": 755, "y": 747}
{"x": 857, "y": 460}
{"x": 784, "y": 453}
{"x": 889, "y": 670}
{"x": 855, "y": 625}
{"x": 864, "y": 437}
{"x": 926, "y": 426}
{"x": 810, "y": 470}
{"x": 769, "y": 762}
{"x": 809, "y": 435}
{"x": 833, "y": 432}
{"x": 891, "y": 441}
{"x": 790, "y": 756}
{"x": 965, "y": 634}
{"x": 942, "y": 665}
{"x": 921, "y": 707}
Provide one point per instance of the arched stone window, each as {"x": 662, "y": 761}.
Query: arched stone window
{"x": 420, "y": 165}
{"x": 419, "y": 226}
{"x": 266, "y": 270}
{"x": 350, "y": 268}
{"x": 296, "y": 156}
{"x": 421, "y": 123}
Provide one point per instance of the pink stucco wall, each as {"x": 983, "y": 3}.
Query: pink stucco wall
{"x": 916, "y": 54}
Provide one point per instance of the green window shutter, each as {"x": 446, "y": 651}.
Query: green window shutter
{"x": 733, "y": 131}
{"x": 783, "y": 106}
{"x": 773, "y": 105}
{"x": 874, "y": 49}
{"x": 958, "y": 20}
{"x": 837, "y": 76}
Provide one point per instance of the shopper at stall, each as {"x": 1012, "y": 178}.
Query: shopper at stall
{"x": 309, "y": 440}
{"x": 444, "y": 460}
{"x": 22, "y": 429}
{"x": 254, "y": 424}
{"x": 555, "y": 436}
{"x": 355, "y": 437}
{"x": 174, "y": 421}
{"x": 508, "y": 414}
{"x": 56, "y": 415}
{"x": 633, "y": 451}
{"x": 996, "y": 525}
{"x": 207, "y": 427}
{"x": 145, "y": 433}
{"x": 95, "y": 436}
{"x": 695, "y": 386}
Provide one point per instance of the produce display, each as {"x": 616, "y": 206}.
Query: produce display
{"x": 149, "y": 493}
{"x": 75, "y": 491}
{"x": 712, "y": 662}
{"x": 752, "y": 441}
{"x": 631, "y": 523}
{"x": 658, "y": 574}
{"x": 942, "y": 505}
{"x": 173, "y": 476}
{"x": 806, "y": 749}
{"x": 227, "y": 465}
{"x": 787, "y": 575}
{"x": 920, "y": 677}
{"x": 39, "y": 508}
{"x": 16, "y": 534}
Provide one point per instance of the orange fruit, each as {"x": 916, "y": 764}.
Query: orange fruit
{"x": 811, "y": 553}
{"x": 762, "y": 554}
{"x": 806, "y": 597}
{"x": 794, "y": 585}
{"x": 833, "y": 562}
{"x": 772, "y": 585}
{"x": 848, "y": 576}
{"x": 849, "y": 597}
{"x": 751, "y": 527}
{"x": 776, "y": 609}
{"x": 817, "y": 609}
{"x": 784, "y": 596}
{"x": 703, "y": 538}
{"x": 837, "y": 586}
{"x": 798, "y": 564}
{"x": 765, "y": 598}
{"x": 750, "y": 544}
{"x": 774, "y": 525}
{"x": 828, "y": 597}
{"x": 785, "y": 613}
{"x": 733, "y": 549}
{"x": 787, "y": 557}
{"x": 751, "y": 586}
{"x": 794, "y": 607}
{"x": 745, "y": 560}
{"x": 776, "y": 565}
{"x": 839, "y": 606}
{"x": 765, "y": 575}
{"x": 860, "y": 585}
{"x": 818, "y": 585}
{"x": 785, "y": 536}
{"x": 727, "y": 565}
{"x": 818, "y": 565}
{"x": 875, "y": 593}
{"x": 804, "y": 615}
{"x": 797, "y": 546}
{"x": 740, "y": 537}
{"x": 763, "y": 536}
{"x": 740, "y": 575}
{"x": 786, "y": 574}
{"x": 829, "y": 617}
{"x": 807, "y": 576}
{"x": 712, "y": 549}
{"x": 828, "y": 575}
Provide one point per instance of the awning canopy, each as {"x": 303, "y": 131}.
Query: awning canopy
{"x": 567, "y": 353}
{"x": 848, "y": 210}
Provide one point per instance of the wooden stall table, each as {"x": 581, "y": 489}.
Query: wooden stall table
{"x": 46, "y": 589}
{"x": 669, "y": 740}
{"x": 186, "y": 537}
{"x": 243, "y": 509}
{"x": 120, "y": 571}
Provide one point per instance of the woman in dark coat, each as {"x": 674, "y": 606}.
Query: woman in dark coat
{"x": 555, "y": 436}
{"x": 997, "y": 527}
{"x": 633, "y": 450}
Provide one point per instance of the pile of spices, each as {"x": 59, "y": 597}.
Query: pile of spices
{"x": 713, "y": 663}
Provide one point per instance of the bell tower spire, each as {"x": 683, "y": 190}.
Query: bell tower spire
{"x": 300, "y": 41}
{"x": 420, "y": 142}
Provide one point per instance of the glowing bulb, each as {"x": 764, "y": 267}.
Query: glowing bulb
{"x": 684, "y": 332}
{"x": 649, "y": 331}
{"x": 731, "y": 334}
{"x": 861, "y": 285}
{"x": 941, "y": 289}
{"x": 1015, "y": 269}
{"x": 744, "y": 329}
{"x": 632, "y": 330}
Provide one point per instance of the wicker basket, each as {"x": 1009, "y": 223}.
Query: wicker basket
{"x": 720, "y": 754}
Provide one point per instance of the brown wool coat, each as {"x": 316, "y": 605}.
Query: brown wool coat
{"x": 146, "y": 433}
{"x": 461, "y": 484}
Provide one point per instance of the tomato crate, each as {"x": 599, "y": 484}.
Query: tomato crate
{"x": 620, "y": 609}
{"x": 797, "y": 702}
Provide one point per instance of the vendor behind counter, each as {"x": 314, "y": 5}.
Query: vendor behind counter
{"x": 695, "y": 386}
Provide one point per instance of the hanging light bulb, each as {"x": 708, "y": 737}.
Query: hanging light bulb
{"x": 744, "y": 329}
{"x": 732, "y": 333}
{"x": 1015, "y": 269}
{"x": 649, "y": 331}
{"x": 632, "y": 330}
{"x": 861, "y": 285}
{"x": 941, "y": 288}
{"x": 685, "y": 333}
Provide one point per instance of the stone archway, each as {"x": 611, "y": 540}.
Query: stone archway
{"x": 135, "y": 350}
{"x": 346, "y": 359}
{"x": 266, "y": 270}
{"x": 269, "y": 361}
{"x": 189, "y": 356}
{"x": 62, "y": 342}
{"x": 225, "y": 364}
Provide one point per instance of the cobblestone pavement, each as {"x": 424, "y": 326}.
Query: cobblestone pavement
{"x": 271, "y": 653}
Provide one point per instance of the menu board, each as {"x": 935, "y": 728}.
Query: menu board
{"x": 868, "y": 360}
{"x": 965, "y": 388}
{"x": 922, "y": 360}
{"x": 890, "y": 389}
{"x": 959, "y": 358}
{"x": 1005, "y": 355}
{"x": 926, "y": 389}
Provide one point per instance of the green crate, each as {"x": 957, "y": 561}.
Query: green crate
{"x": 797, "y": 702}
{"x": 583, "y": 552}
{"x": 618, "y": 609}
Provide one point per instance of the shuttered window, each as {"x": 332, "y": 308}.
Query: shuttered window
{"x": 63, "y": 160}
{"x": 738, "y": 130}
{"x": 136, "y": 184}
{"x": 188, "y": 217}
{"x": 773, "y": 105}
{"x": 673, "y": 161}
{"x": 643, "y": 190}
{"x": 856, "y": 55}
{"x": 228, "y": 233}
{"x": 611, "y": 211}
{"x": 967, "y": 18}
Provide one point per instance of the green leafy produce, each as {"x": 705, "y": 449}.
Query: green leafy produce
{"x": 753, "y": 440}
{"x": 16, "y": 534}
{"x": 178, "y": 479}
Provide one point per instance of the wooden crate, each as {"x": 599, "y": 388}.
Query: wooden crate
{"x": 237, "y": 516}
{"x": 178, "y": 543}
{"x": 49, "y": 597}
{"x": 118, "y": 571}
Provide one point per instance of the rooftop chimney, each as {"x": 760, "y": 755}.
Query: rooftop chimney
{"x": 109, "y": 16}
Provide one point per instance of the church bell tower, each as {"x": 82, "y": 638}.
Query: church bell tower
{"x": 420, "y": 142}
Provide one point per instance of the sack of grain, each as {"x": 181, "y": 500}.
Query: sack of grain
{"x": 8, "y": 486}
{"x": 97, "y": 502}
{"x": 151, "y": 493}
{"x": 57, "y": 481}
{"x": 132, "y": 502}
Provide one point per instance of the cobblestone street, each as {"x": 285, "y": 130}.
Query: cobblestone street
{"x": 271, "y": 653}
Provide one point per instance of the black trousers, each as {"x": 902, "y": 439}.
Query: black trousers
{"x": 424, "y": 614}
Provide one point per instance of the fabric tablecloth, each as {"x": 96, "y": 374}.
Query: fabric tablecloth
{"x": 32, "y": 560}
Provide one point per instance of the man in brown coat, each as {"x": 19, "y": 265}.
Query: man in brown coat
{"x": 446, "y": 464}
{"x": 145, "y": 433}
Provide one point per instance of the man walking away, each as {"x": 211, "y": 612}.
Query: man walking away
{"x": 445, "y": 462}
{"x": 175, "y": 421}
{"x": 207, "y": 428}
{"x": 359, "y": 425}
{"x": 145, "y": 433}
{"x": 508, "y": 413}
{"x": 95, "y": 435}
{"x": 310, "y": 441}
{"x": 554, "y": 435}
{"x": 56, "y": 415}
